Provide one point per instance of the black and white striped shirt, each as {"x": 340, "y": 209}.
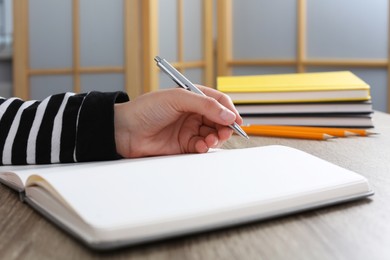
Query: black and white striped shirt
{"x": 63, "y": 128}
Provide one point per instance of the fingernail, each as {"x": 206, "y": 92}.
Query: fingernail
{"x": 227, "y": 115}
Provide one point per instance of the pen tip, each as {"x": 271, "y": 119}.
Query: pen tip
{"x": 157, "y": 58}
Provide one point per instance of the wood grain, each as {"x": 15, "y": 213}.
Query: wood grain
{"x": 356, "y": 230}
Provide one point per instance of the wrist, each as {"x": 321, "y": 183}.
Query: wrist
{"x": 120, "y": 130}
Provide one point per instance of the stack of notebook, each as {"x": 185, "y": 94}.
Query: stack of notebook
{"x": 332, "y": 99}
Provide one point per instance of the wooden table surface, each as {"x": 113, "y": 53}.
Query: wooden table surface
{"x": 355, "y": 230}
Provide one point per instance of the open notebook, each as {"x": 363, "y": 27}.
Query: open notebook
{"x": 112, "y": 204}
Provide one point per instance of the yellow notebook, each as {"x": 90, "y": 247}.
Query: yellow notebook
{"x": 298, "y": 87}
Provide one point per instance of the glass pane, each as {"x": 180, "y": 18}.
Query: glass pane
{"x": 5, "y": 89}
{"x": 6, "y": 29}
{"x": 44, "y": 86}
{"x": 102, "y": 82}
{"x": 376, "y": 78}
{"x": 50, "y": 34}
{"x": 264, "y": 29}
{"x": 165, "y": 82}
{"x": 5, "y": 71}
{"x": 192, "y": 30}
{"x": 194, "y": 75}
{"x": 101, "y": 33}
{"x": 5, "y": 78}
{"x": 347, "y": 29}
{"x": 167, "y": 27}
{"x": 261, "y": 70}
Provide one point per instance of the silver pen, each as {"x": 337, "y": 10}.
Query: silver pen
{"x": 183, "y": 82}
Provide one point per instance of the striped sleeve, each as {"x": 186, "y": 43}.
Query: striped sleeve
{"x": 62, "y": 128}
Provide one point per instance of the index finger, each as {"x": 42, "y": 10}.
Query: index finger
{"x": 223, "y": 99}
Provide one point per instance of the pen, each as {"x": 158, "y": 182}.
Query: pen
{"x": 183, "y": 82}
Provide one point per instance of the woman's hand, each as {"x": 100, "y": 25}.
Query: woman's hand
{"x": 173, "y": 121}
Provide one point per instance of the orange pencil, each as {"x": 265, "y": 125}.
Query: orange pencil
{"x": 287, "y": 134}
{"x": 339, "y": 132}
{"x": 362, "y": 132}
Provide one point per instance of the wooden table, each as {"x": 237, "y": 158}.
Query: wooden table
{"x": 356, "y": 230}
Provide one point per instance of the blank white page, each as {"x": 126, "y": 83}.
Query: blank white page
{"x": 137, "y": 192}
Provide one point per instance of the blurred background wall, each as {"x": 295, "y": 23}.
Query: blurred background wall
{"x": 5, "y": 47}
{"x": 83, "y": 45}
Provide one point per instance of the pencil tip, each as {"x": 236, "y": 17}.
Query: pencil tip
{"x": 347, "y": 133}
{"x": 326, "y": 136}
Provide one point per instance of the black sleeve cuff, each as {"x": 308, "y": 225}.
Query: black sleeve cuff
{"x": 96, "y": 130}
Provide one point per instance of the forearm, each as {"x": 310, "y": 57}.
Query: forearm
{"x": 62, "y": 128}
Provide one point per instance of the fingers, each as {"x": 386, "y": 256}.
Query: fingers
{"x": 207, "y": 106}
{"x": 215, "y": 137}
{"x": 213, "y": 140}
{"x": 222, "y": 98}
{"x": 197, "y": 144}
{"x": 208, "y": 138}
{"x": 200, "y": 145}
